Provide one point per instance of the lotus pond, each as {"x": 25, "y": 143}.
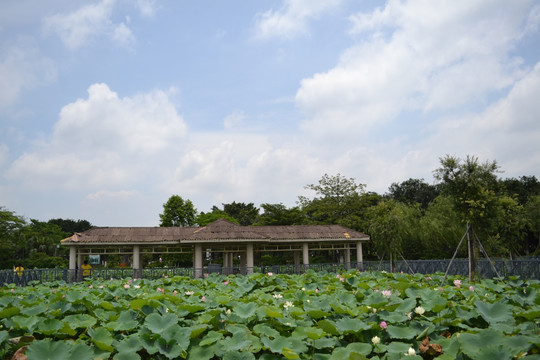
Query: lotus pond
{"x": 352, "y": 315}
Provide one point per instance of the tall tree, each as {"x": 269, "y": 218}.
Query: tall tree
{"x": 337, "y": 201}
{"x": 391, "y": 225}
{"x": 472, "y": 185}
{"x": 71, "y": 226}
{"x": 279, "y": 214}
{"x": 204, "y": 219}
{"x": 246, "y": 214}
{"x": 413, "y": 191}
{"x": 10, "y": 225}
{"x": 178, "y": 212}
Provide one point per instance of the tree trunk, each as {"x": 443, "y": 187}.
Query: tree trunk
{"x": 472, "y": 262}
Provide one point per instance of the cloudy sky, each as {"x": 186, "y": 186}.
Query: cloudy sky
{"x": 109, "y": 107}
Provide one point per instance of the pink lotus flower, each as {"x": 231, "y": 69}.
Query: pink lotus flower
{"x": 226, "y": 282}
{"x": 383, "y": 325}
{"x": 457, "y": 283}
{"x": 471, "y": 288}
{"x": 91, "y": 287}
{"x": 175, "y": 292}
{"x": 270, "y": 274}
{"x": 203, "y": 298}
{"x": 12, "y": 290}
{"x": 386, "y": 293}
{"x": 316, "y": 290}
{"x": 126, "y": 286}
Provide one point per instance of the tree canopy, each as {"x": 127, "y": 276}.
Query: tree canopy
{"x": 178, "y": 212}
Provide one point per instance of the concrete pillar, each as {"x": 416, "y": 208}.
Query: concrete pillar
{"x": 249, "y": 258}
{"x": 347, "y": 257}
{"x": 225, "y": 263}
{"x": 359, "y": 256}
{"x": 137, "y": 271}
{"x": 198, "y": 262}
{"x": 72, "y": 263}
{"x": 305, "y": 255}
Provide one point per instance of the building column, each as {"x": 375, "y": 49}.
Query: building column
{"x": 225, "y": 263}
{"x": 359, "y": 256}
{"x": 347, "y": 257}
{"x": 243, "y": 263}
{"x": 305, "y": 255}
{"x": 249, "y": 258}
{"x": 72, "y": 263}
{"x": 137, "y": 271}
{"x": 198, "y": 262}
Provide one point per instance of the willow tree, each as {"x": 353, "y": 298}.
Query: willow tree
{"x": 391, "y": 224}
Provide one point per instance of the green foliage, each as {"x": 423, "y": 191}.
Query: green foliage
{"x": 204, "y": 219}
{"x": 413, "y": 191}
{"x": 70, "y": 226}
{"x": 391, "y": 223}
{"x": 279, "y": 214}
{"x": 309, "y": 316}
{"x": 178, "y": 212}
{"x": 245, "y": 214}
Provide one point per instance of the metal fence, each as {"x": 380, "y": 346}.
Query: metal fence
{"x": 524, "y": 268}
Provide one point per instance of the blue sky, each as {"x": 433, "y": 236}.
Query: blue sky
{"x": 109, "y": 107}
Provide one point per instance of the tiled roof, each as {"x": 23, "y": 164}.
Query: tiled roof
{"x": 220, "y": 230}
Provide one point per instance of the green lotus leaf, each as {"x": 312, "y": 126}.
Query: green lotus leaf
{"x": 496, "y": 312}
{"x": 197, "y": 330}
{"x": 49, "y": 326}
{"x": 406, "y": 306}
{"x": 158, "y": 323}
{"x": 239, "y": 341}
{"x": 471, "y": 344}
{"x": 276, "y": 345}
{"x": 47, "y": 349}
{"x": 273, "y": 312}
{"x": 401, "y": 332}
{"x": 138, "y": 304}
{"x": 80, "y": 321}
{"x": 264, "y": 329}
{"x": 34, "y": 310}
{"x": 148, "y": 341}
{"x": 531, "y": 314}
{"x": 124, "y": 322}
{"x": 324, "y": 343}
{"x": 321, "y": 356}
{"x": 102, "y": 338}
{"x": 318, "y": 314}
{"x": 198, "y": 352}
{"x": 434, "y": 302}
{"x": 129, "y": 345}
{"x": 375, "y": 300}
{"x": 170, "y": 349}
{"x": 314, "y": 333}
{"x": 81, "y": 351}
{"x": 9, "y": 312}
{"x": 74, "y": 296}
{"x": 127, "y": 356}
{"x": 237, "y": 355}
{"x": 192, "y": 308}
{"x": 289, "y": 353}
{"x": 244, "y": 310}
{"x": 24, "y": 322}
{"x": 178, "y": 333}
{"x": 329, "y": 327}
{"x": 351, "y": 325}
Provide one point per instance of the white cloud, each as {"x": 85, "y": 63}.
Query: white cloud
{"x": 146, "y": 7}
{"x": 415, "y": 56}
{"x": 23, "y": 68}
{"x": 104, "y": 141}
{"x": 118, "y": 195}
{"x": 90, "y": 21}
{"x": 234, "y": 119}
{"x": 291, "y": 20}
